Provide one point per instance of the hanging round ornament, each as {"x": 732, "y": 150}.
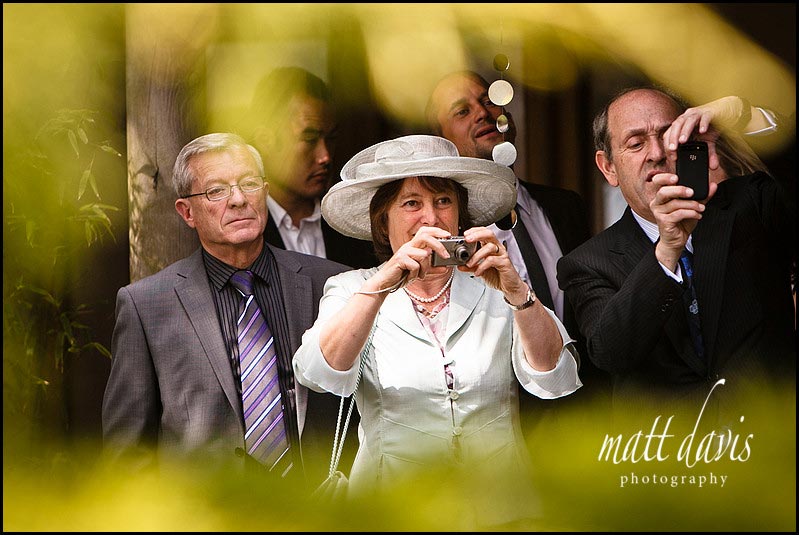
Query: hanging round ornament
{"x": 504, "y": 153}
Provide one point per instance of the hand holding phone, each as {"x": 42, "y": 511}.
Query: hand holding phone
{"x": 692, "y": 168}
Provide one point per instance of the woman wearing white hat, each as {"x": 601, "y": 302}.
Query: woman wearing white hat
{"x": 448, "y": 351}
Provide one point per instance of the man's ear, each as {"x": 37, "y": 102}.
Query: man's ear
{"x": 183, "y": 206}
{"x": 607, "y": 168}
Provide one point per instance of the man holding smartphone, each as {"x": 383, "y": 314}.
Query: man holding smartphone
{"x": 680, "y": 293}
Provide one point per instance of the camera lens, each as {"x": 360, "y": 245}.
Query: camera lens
{"x": 462, "y": 253}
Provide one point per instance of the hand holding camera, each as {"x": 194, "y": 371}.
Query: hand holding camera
{"x": 488, "y": 260}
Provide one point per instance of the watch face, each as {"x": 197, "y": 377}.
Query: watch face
{"x": 530, "y": 299}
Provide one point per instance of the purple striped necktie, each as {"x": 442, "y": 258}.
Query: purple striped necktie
{"x": 265, "y": 431}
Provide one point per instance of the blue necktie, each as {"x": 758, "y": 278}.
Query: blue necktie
{"x": 689, "y": 296}
{"x": 265, "y": 431}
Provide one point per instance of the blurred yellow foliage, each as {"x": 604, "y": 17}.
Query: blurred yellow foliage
{"x": 54, "y": 58}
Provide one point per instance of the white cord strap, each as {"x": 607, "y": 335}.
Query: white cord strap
{"x": 391, "y": 289}
{"x": 338, "y": 440}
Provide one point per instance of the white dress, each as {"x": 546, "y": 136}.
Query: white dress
{"x": 412, "y": 421}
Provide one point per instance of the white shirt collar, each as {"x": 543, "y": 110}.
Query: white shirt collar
{"x": 283, "y": 219}
{"x": 653, "y": 233}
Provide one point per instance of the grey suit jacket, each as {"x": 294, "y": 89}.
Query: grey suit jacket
{"x": 171, "y": 392}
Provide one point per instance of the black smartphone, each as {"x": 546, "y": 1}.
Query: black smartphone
{"x": 692, "y": 168}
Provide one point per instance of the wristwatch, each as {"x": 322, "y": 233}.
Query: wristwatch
{"x": 527, "y": 304}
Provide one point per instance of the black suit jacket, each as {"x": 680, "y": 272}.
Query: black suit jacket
{"x": 338, "y": 247}
{"x": 631, "y": 312}
{"x": 566, "y": 212}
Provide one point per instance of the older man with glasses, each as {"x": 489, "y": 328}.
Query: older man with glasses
{"x": 202, "y": 350}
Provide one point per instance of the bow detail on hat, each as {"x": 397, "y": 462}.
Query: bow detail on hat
{"x": 400, "y": 151}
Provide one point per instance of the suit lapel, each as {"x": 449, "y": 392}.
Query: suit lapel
{"x": 557, "y": 213}
{"x": 631, "y": 245}
{"x": 711, "y": 241}
{"x": 464, "y": 295}
{"x": 194, "y": 294}
{"x": 297, "y": 298}
{"x": 298, "y": 307}
{"x": 466, "y": 292}
{"x": 398, "y": 308}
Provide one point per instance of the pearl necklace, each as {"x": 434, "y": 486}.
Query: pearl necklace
{"x": 439, "y": 294}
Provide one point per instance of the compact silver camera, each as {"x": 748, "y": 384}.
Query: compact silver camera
{"x": 459, "y": 252}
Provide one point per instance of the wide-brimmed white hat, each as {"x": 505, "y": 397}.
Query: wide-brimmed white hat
{"x": 491, "y": 186}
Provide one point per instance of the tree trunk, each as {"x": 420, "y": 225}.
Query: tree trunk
{"x": 163, "y": 82}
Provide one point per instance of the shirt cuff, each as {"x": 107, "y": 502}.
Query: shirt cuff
{"x": 555, "y": 383}
{"x": 676, "y": 276}
{"x": 311, "y": 367}
{"x": 771, "y": 119}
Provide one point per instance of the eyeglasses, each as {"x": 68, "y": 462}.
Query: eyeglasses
{"x": 251, "y": 184}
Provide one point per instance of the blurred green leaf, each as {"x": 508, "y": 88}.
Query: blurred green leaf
{"x": 74, "y": 142}
{"x": 94, "y": 217}
{"x": 93, "y": 183}
{"x": 66, "y": 327}
{"x": 48, "y": 297}
{"x": 84, "y": 180}
{"x": 99, "y": 347}
{"x": 109, "y": 149}
{"x": 89, "y": 233}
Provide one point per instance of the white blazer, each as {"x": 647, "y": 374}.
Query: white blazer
{"x": 410, "y": 420}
